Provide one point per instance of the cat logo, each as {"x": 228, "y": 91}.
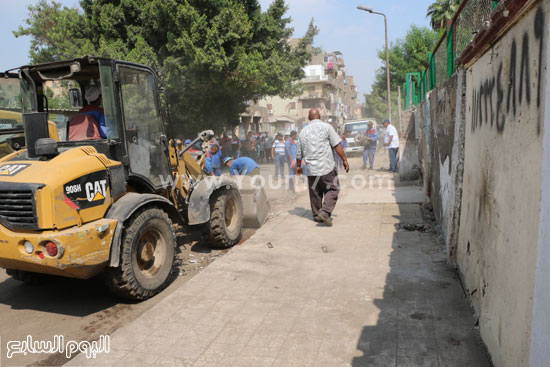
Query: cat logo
{"x": 12, "y": 169}
{"x": 87, "y": 191}
{"x": 96, "y": 190}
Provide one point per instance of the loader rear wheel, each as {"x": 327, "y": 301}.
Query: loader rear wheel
{"x": 226, "y": 218}
{"x": 147, "y": 256}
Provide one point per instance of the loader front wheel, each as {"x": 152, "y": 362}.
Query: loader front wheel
{"x": 226, "y": 218}
{"x": 147, "y": 256}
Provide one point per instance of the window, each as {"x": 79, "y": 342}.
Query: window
{"x": 270, "y": 107}
{"x": 292, "y": 105}
{"x": 108, "y": 98}
{"x": 144, "y": 134}
{"x": 306, "y": 104}
{"x": 10, "y": 104}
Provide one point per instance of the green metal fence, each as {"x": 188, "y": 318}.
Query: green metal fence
{"x": 471, "y": 17}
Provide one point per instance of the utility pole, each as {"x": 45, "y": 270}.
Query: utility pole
{"x": 368, "y": 9}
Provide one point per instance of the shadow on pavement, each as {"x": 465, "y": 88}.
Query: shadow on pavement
{"x": 423, "y": 316}
{"x": 77, "y": 297}
{"x": 73, "y": 297}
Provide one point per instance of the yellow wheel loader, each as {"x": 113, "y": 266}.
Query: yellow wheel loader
{"x": 103, "y": 196}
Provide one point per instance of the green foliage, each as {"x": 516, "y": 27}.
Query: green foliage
{"x": 442, "y": 11}
{"x": 214, "y": 55}
{"x": 407, "y": 55}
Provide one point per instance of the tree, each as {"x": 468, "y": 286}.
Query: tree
{"x": 407, "y": 55}
{"x": 214, "y": 56}
{"x": 442, "y": 11}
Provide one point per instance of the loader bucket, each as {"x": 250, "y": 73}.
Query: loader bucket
{"x": 256, "y": 207}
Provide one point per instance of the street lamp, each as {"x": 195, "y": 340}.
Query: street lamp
{"x": 368, "y": 9}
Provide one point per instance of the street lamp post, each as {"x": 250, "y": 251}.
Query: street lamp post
{"x": 366, "y": 8}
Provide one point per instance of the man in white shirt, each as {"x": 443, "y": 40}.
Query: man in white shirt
{"x": 279, "y": 156}
{"x": 391, "y": 141}
{"x": 315, "y": 145}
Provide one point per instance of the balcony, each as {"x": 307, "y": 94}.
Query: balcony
{"x": 314, "y": 95}
{"x": 315, "y": 79}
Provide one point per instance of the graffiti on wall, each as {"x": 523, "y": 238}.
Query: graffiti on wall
{"x": 500, "y": 96}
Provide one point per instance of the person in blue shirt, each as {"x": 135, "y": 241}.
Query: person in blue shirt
{"x": 337, "y": 159}
{"x": 290, "y": 148}
{"x": 242, "y": 166}
{"x": 371, "y": 141}
{"x": 93, "y": 96}
{"x": 213, "y": 166}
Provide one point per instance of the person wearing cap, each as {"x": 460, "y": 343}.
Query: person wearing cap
{"x": 93, "y": 96}
{"x": 391, "y": 141}
{"x": 242, "y": 166}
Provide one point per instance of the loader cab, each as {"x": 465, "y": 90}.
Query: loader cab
{"x": 126, "y": 127}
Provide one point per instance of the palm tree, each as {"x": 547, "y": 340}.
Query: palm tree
{"x": 441, "y": 11}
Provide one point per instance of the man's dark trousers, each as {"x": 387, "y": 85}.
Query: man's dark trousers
{"x": 324, "y": 187}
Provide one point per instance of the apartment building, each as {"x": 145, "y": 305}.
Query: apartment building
{"x": 325, "y": 86}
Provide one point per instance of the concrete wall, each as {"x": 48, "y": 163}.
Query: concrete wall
{"x": 446, "y": 134}
{"x": 499, "y": 223}
{"x": 408, "y": 151}
{"x": 481, "y": 140}
{"x": 439, "y": 136}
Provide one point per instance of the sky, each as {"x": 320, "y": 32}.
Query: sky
{"x": 357, "y": 34}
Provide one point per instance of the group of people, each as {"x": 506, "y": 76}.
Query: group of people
{"x": 317, "y": 152}
{"x": 218, "y": 156}
{"x": 215, "y": 160}
{"x": 369, "y": 139}
{"x": 256, "y": 146}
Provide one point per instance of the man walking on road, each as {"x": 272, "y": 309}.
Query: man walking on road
{"x": 315, "y": 144}
{"x": 290, "y": 150}
{"x": 391, "y": 141}
{"x": 279, "y": 156}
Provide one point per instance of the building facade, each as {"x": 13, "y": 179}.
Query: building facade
{"x": 325, "y": 86}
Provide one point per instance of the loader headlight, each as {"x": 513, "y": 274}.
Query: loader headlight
{"x": 29, "y": 248}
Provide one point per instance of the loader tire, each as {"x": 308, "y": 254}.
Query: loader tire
{"x": 226, "y": 218}
{"x": 147, "y": 256}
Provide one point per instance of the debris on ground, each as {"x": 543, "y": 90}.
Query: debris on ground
{"x": 415, "y": 227}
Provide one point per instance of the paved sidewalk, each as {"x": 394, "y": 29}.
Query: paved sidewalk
{"x": 297, "y": 294}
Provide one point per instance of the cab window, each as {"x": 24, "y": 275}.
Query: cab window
{"x": 144, "y": 131}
